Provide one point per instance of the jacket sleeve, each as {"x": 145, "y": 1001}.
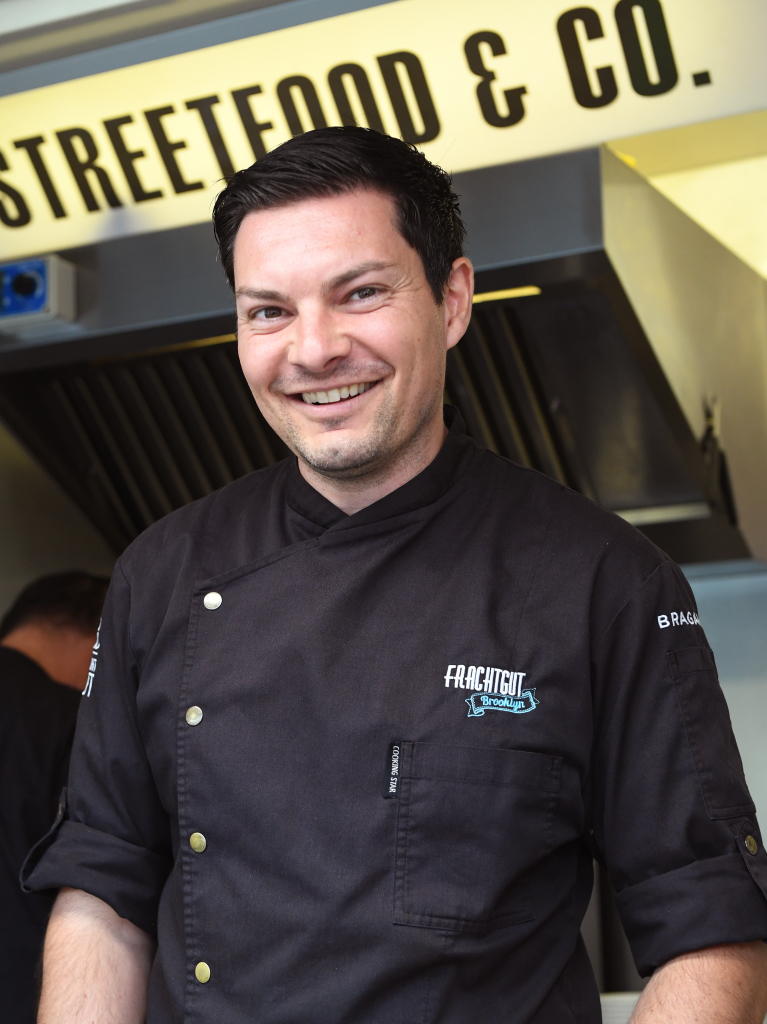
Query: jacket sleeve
{"x": 672, "y": 818}
{"x": 111, "y": 837}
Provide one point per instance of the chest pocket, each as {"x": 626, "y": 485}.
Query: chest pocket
{"x": 471, "y": 821}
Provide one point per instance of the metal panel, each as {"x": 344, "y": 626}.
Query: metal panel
{"x": 563, "y": 382}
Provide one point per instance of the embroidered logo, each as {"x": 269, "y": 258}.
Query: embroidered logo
{"x": 479, "y": 703}
{"x": 92, "y": 666}
{"x": 498, "y": 689}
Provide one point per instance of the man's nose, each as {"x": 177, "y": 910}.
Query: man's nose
{"x": 318, "y": 341}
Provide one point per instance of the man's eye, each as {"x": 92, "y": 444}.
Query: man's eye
{"x": 365, "y": 293}
{"x": 269, "y": 313}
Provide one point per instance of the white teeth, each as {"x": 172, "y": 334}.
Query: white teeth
{"x": 335, "y": 394}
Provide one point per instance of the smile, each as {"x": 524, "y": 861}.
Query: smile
{"x": 335, "y": 394}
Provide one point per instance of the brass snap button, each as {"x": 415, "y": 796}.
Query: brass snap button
{"x": 202, "y": 972}
{"x": 198, "y": 842}
{"x": 752, "y": 846}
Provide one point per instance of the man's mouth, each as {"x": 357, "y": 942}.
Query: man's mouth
{"x": 336, "y": 394}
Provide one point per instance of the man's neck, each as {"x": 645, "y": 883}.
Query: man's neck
{"x": 357, "y": 493}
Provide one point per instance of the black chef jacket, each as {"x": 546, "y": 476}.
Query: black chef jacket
{"x": 37, "y": 724}
{"x": 417, "y": 724}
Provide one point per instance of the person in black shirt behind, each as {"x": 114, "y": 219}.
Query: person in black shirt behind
{"x": 46, "y": 643}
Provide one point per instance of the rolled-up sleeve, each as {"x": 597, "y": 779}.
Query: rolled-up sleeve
{"x": 111, "y": 837}
{"x": 672, "y": 818}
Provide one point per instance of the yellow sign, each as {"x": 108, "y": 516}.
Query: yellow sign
{"x": 144, "y": 148}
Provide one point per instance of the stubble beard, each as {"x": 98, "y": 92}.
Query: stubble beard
{"x": 370, "y": 456}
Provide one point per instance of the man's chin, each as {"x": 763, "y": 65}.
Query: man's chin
{"x": 341, "y": 462}
{"x": 343, "y": 449}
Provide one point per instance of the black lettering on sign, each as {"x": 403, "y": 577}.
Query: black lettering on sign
{"x": 80, "y": 168}
{"x": 127, "y": 157}
{"x": 625, "y": 19}
{"x": 32, "y": 146}
{"x": 204, "y": 107}
{"x": 167, "y": 149}
{"x": 575, "y": 61}
{"x": 415, "y": 72}
{"x": 21, "y": 214}
{"x": 285, "y": 95}
{"x": 359, "y": 77}
{"x": 487, "y": 104}
{"x": 253, "y": 128}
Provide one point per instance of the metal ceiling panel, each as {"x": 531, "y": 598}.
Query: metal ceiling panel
{"x": 562, "y": 381}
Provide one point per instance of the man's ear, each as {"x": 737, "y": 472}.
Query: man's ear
{"x": 459, "y": 292}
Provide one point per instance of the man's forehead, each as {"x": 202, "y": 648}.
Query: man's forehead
{"x": 339, "y": 237}
{"x": 351, "y": 214}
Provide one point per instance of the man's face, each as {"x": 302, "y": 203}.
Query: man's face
{"x": 340, "y": 338}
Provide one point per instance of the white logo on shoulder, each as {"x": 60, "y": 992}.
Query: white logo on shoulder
{"x": 92, "y": 666}
{"x": 678, "y": 619}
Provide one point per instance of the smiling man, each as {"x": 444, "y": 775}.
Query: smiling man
{"x": 361, "y": 721}
{"x": 348, "y": 367}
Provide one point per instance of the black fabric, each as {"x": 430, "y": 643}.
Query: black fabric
{"x": 36, "y": 729}
{"x": 709, "y": 733}
{"x": 126, "y": 876}
{"x": 675, "y": 910}
{"x": 510, "y": 636}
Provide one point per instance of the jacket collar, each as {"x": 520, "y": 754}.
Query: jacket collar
{"x": 430, "y": 484}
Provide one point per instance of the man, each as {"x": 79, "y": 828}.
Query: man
{"x": 46, "y": 640}
{"x": 361, "y": 720}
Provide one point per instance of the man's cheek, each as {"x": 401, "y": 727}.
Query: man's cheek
{"x": 257, "y": 372}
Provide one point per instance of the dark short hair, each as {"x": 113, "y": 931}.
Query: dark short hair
{"x": 70, "y": 600}
{"x": 331, "y": 161}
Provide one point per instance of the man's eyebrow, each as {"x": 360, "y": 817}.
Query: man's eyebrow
{"x": 263, "y": 295}
{"x": 354, "y": 272}
{"x": 266, "y": 295}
